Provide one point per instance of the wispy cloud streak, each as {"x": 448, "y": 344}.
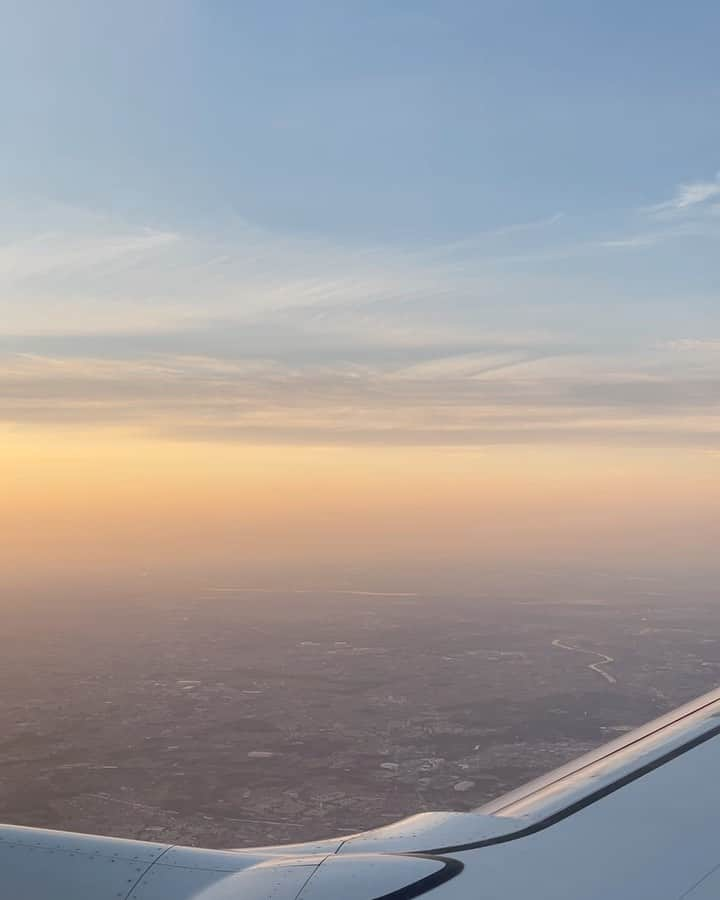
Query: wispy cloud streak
{"x": 689, "y": 197}
{"x": 481, "y": 398}
{"x": 250, "y": 335}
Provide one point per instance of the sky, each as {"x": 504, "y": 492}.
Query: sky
{"x": 347, "y": 283}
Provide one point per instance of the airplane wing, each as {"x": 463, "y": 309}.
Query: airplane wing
{"x": 639, "y": 818}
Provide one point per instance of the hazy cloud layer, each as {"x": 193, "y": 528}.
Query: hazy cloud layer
{"x": 541, "y": 331}
{"x": 501, "y": 396}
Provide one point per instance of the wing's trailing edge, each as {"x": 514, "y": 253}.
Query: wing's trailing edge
{"x": 636, "y": 818}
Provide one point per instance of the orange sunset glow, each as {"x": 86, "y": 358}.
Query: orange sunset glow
{"x": 119, "y": 503}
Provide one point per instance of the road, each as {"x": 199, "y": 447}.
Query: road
{"x": 596, "y": 666}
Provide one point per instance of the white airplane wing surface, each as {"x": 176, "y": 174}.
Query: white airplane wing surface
{"x": 638, "y": 818}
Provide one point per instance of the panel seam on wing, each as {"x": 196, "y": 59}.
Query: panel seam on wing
{"x": 145, "y": 871}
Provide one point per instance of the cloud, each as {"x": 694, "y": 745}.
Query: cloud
{"x": 695, "y": 345}
{"x": 635, "y": 240}
{"x": 59, "y": 254}
{"x": 98, "y": 278}
{"x": 688, "y": 214}
{"x": 516, "y": 228}
{"x": 86, "y": 274}
{"x": 688, "y": 197}
{"x": 481, "y": 398}
{"x": 253, "y": 336}
{"x": 697, "y": 192}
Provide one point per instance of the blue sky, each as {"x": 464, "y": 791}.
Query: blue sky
{"x": 492, "y": 206}
{"x": 394, "y": 121}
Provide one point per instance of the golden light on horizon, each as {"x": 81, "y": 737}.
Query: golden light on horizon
{"x": 112, "y": 500}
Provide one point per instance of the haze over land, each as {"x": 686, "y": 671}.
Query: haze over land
{"x": 232, "y": 716}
